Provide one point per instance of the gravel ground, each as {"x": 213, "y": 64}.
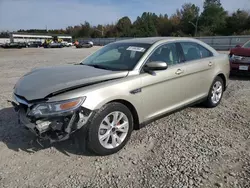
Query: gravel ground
{"x": 196, "y": 147}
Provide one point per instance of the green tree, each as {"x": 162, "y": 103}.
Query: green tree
{"x": 124, "y": 27}
{"x": 97, "y": 32}
{"x": 175, "y": 20}
{"x": 213, "y": 17}
{"x": 144, "y": 26}
{"x": 237, "y": 23}
{"x": 111, "y": 31}
{"x": 189, "y": 18}
{"x": 4, "y": 34}
{"x": 164, "y": 25}
{"x": 207, "y": 3}
{"x": 84, "y": 30}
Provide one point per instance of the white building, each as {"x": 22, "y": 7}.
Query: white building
{"x": 4, "y": 40}
{"x": 28, "y": 37}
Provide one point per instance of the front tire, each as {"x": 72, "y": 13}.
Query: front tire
{"x": 110, "y": 129}
{"x": 215, "y": 93}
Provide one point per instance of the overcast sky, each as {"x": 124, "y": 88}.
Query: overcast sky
{"x": 27, "y": 14}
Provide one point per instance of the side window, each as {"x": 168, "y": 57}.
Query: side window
{"x": 204, "y": 52}
{"x": 193, "y": 51}
{"x": 166, "y": 53}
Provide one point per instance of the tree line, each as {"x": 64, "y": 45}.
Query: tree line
{"x": 187, "y": 21}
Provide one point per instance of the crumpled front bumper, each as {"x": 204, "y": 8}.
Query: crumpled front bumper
{"x": 55, "y": 128}
{"x": 22, "y": 119}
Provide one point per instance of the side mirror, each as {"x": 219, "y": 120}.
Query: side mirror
{"x": 238, "y": 46}
{"x": 155, "y": 65}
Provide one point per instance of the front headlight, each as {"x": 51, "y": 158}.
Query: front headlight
{"x": 236, "y": 57}
{"x": 56, "y": 108}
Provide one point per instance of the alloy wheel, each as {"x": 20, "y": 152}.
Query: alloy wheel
{"x": 216, "y": 92}
{"x": 113, "y": 130}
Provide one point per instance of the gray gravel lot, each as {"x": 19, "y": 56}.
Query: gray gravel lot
{"x": 196, "y": 147}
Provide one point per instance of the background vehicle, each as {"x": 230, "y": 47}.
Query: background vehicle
{"x": 14, "y": 45}
{"x": 23, "y": 44}
{"x": 35, "y": 44}
{"x": 53, "y": 43}
{"x": 85, "y": 44}
{"x": 119, "y": 88}
{"x": 240, "y": 59}
{"x": 67, "y": 44}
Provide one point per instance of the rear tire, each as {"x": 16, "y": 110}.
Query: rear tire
{"x": 215, "y": 93}
{"x": 103, "y": 123}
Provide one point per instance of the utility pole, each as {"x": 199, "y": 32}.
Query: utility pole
{"x": 196, "y": 28}
{"x": 196, "y": 24}
{"x": 101, "y": 31}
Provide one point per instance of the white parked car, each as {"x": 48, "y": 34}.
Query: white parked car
{"x": 67, "y": 44}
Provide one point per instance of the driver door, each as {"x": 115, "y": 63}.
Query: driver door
{"x": 162, "y": 91}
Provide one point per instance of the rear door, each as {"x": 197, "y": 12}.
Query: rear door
{"x": 199, "y": 70}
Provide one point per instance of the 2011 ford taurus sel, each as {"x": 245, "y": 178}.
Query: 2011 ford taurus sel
{"x": 119, "y": 88}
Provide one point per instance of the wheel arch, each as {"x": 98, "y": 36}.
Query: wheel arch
{"x": 223, "y": 77}
{"x": 132, "y": 110}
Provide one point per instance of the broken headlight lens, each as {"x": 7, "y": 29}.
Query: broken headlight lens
{"x": 56, "y": 108}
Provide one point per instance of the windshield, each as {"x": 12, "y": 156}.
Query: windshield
{"x": 117, "y": 56}
{"x": 246, "y": 45}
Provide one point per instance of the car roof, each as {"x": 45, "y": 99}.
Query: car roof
{"x": 152, "y": 40}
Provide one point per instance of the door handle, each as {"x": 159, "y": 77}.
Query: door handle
{"x": 210, "y": 64}
{"x": 179, "y": 71}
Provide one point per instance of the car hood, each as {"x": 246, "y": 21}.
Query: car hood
{"x": 42, "y": 82}
{"x": 241, "y": 51}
